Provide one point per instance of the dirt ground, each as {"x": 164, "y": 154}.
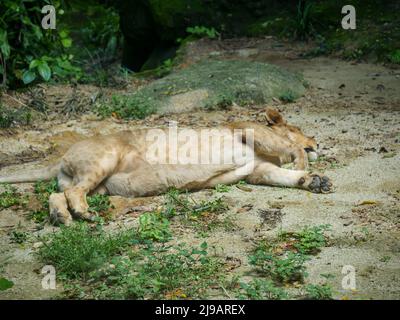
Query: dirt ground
{"x": 353, "y": 110}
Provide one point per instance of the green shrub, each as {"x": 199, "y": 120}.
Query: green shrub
{"x": 78, "y": 250}
{"x": 127, "y": 107}
{"x": 318, "y": 292}
{"x": 29, "y": 52}
{"x": 153, "y": 226}
{"x": 309, "y": 240}
{"x": 9, "y": 197}
{"x": 177, "y": 272}
{"x": 261, "y": 289}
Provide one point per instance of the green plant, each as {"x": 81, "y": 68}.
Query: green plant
{"x": 287, "y": 96}
{"x": 9, "y": 197}
{"x": 318, "y": 292}
{"x": 222, "y": 188}
{"x": 99, "y": 203}
{"x": 303, "y": 22}
{"x": 78, "y": 250}
{"x": 14, "y": 116}
{"x": 261, "y": 289}
{"x": 309, "y": 240}
{"x": 18, "y": 236}
{"x": 202, "y": 31}
{"x": 127, "y": 107}
{"x": 27, "y": 50}
{"x": 153, "y": 226}
{"x": 5, "y": 284}
{"x": 177, "y": 272}
{"x": 288, "y": 267}
{"x": 42, "y": 191}
{"x": 202, "y": 216}
{"x": 394, "y": 56}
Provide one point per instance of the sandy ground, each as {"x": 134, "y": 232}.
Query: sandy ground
{"x": 353, "y": 109}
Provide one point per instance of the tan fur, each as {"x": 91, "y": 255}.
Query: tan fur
{"x": 117, "y": 165}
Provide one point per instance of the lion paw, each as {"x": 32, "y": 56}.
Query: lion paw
{"x": 319, "y": 184}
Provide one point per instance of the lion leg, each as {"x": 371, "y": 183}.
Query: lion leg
{"x": 58, "y": 206}
{"x": 270, "y": 174}
{"x": 87, "y": 177}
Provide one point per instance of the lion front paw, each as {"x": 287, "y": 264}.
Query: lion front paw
{"x": 317, "y": 183}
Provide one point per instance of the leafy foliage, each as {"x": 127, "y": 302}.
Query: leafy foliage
{"x": 42, "y": 191}
{"x": 99, "y": 203}
{"x": 9, "y": 197}
{"x": 202, "y": 31}
{"x": 127, "y": 107}
{"x": 5, "y": 284}
{"x": 122, "y": 266}
{"x": 309, "y": 240}
{"x": 29, "y": 52}
{"x": 318, "y": 292}
{"x": 78, "y": 250}
{"x": 286, "y": 268}
{"x": 153, "y": 226}
{"x": 261, "y": 289}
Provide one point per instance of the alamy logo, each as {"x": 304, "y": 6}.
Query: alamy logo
{"x": 349, "y": 20}
{"x": 349, "y": 280}
{"x": 49, "y": 20}
{"x": 49, "y": 280}
{"x": 217, "y": 146}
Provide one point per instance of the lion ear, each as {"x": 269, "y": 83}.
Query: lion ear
{"x": 274, "y": 117}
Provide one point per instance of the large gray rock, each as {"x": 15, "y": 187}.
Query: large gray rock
{"x": 218, "y": 84}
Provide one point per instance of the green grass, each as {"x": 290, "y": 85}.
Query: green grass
{"x": 318, "y": 292}
{"x": 78, "y": 250}
{"x": 222, "y": 188}
{"x": 100, "y": 204}
{"x": 121, "y": 265}
{"x": 154, "y": 226}
{"x": 287, "y": 96}
{"x": 127, "y": 107}
{"x": 288, "y": 267}
{"x": 18, "y": 236}
{"x": 10, "y": 197}
{"x": 202, "y": 216}
{"x": 42, "y": 191}
{"x": 283, "y": 259}
{"x": 308, "y": 240}
{"x": 177, "y": 272}
{"x": 261, "y": 289}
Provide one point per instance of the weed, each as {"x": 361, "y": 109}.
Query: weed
{"x": 154, "y": 226}
{"x": 19, "y": 237}
{"x": 261, "y": 289}
{"x": 288, "y": 267}
{"x": 303, "y": 22}
{"x": 287, "y": 96}
{"x": 202, "y": 216}
{"x": 127, "y": 107}
{"x": 79, "y": 249}
{"x": 309, "y": 240}
{"x": 9, "y": 197}
{"x": 99, "y": 204}
{"x": 318, "y": 292}
{"x": 161, "y": 273}
{"x": 5, "y": 284}
{"x": 198, "y": 32}
{"x": 394, "y": 56}
{"x": 42, "y": 191}
{"x": 222, "y": 188}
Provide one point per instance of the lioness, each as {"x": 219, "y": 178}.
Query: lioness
{"x": 127, "y": 163}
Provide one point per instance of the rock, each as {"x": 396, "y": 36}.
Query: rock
{"x": 214, "y": 84}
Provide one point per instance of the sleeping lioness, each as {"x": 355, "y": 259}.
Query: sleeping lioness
{"x": 145, "y": 162}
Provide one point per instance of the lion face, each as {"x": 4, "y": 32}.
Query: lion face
{"x": 293, "y": 133}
